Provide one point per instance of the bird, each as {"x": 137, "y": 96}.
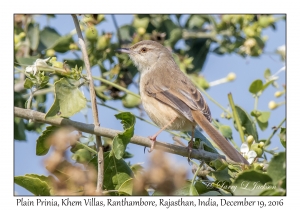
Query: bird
{"x": 171, "y": 99}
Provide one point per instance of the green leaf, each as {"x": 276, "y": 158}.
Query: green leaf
{"x": 73, "y": 62}
{"x": 263, "y": 126}
{"x": 26, "y": 60}
{"x": 68, "y": 99}
{"x": 141, "y": 22}
{"x": 82, "y": 156}
{"x": 234, "y": 168}
{"x": 173, "y": 32}
{"x": 137, "y": 168}
{"x": 158, "y": 193}
{"x": 46, "y": 179}
{"x": 267, "y": 74}
{"x": 251, "y": 183}
{"x": 127, "y": 155}
{"x": 222, "y": 175}
{"x": 273, "y": 192}
{"x": 264, "y": 117}
{"x": 50, "y": 16}
{"x": 207, "y": 145}
{"x": 126, "y": 33}
{"x": 19, "y": 129}
{"x": 267, "y": 84}
{"x": 282, "y": 183}
{"x": 49, "y": 36}
{"x": 122, "y": 139}
{"x": 224, "y": 187}
{"x": 188, "y": 189}
{"x": 76, "y": 147}
{"x": 212, "y": 193}
{"x": 62, "y": 44}
{"x": 201, "y": 188}
{"x": 33, "y": 35}
{"x": 256, "y": 86}
{"x": 247, "y": 122}
{"x": 218, "y": 164}
{"x": 282, "y": 137}
{"x": 168, "y": 26}
{"x": 127, "y": 187}
{"x": 178, "y": 16}
{"x": 259, "y": 41}
{"x": 44, "y": 81}
{"x": 42, "y": 145}
{"x": 195, "y": 22}
{"x": 28, "y": 83}
{"x": 175, "y": 35}
{"x": 198, "y": 49}
{"x": 226, "y": 131}
{"x": 116, "y": 172}
{"x": 277, "y": 167}
{"x": 220, "y": 50}
{"x": 34, "y": 183}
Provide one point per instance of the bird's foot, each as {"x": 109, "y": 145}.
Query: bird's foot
{"x": 190, "y": 149}
{"x": 153, "y": 141}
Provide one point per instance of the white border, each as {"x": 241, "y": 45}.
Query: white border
{"x": 153, "y": 6}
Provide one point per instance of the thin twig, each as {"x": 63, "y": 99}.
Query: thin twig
{"x": 117, "y": 29}
{"x": 178, "y": 141}
{"x": 40, "y": 92}
{"x": 94, "y": 105}
{"x": 273, "y": 133}
{"x": 116, "y": 86}
{"x": 255, "y": 102}
{"x": 196, "y": 172}
{"x": 236, "y": 117}
{"x": 213, "y": 100}
{"x": 110, "y": 133}
{"x": 28, "y": 105}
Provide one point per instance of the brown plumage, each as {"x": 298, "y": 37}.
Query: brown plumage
{"x": 170, "y": 98}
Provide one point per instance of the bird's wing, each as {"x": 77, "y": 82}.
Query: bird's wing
{"x": 178, "y": 92}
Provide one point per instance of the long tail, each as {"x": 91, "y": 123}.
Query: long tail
{"x": 214, "y": 134}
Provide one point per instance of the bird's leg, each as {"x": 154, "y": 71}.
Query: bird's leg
{"x": 153, "y": 138}
{"x": 191, "y": 144}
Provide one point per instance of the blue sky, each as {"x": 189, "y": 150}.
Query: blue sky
{"x": 216, "y": 67}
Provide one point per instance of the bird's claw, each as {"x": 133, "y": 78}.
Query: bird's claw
{"x": 190, "y": 149}
{"x": 153, "y": 140}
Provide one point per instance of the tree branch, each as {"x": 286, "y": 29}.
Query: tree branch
{"x": 94, "y": 105}
{"x": 110, "y": 133}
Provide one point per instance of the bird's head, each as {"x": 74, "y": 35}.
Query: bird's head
{"x": 146, "y": 53}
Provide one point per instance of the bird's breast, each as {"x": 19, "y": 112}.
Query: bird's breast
{"x": 161, "y": 114}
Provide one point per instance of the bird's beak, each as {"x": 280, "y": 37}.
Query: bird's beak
{"x": 123, "y": 50}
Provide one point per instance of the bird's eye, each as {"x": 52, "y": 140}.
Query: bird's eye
{"x": 144, "y": 49}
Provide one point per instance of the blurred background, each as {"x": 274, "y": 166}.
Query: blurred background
{"x": 221, "y": 53}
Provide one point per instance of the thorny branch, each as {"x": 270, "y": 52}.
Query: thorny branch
{"x": 94, "y": 104}
{"x": 110, "y": 133}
